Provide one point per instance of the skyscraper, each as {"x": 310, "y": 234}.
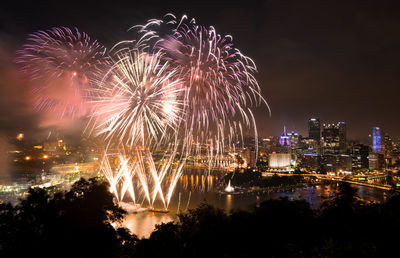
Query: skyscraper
{"x": 359, "y": 154}
{"x": 294, "y": 139}
{"x": 342, "y": 137}
{"x": 314, "y": 129}
{"x": 387, "y": 147}
{"x": 376, "y": 140}
{"x": 284, "y": 140}
{"x": 334, "y": 138}
{"x": 330, "y": 139}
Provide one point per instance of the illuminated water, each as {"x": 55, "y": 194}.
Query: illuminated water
{"x": 203, "y": 189}
{"x": 191, "y": 191}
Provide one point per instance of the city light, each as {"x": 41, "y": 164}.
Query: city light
{"x": 229, "y": 188}
{"x": 20, "y": 136}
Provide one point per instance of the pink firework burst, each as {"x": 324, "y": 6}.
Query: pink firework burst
{"x": 62, "y": 63}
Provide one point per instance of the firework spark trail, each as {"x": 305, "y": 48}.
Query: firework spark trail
{"x": 219, "y": 80}
{"x": 113, "y": 176}
{"x": 187, "y": 205}
{"x": 160, "y": 173}
{"x": 140, "y": 103}
{"x": 157, "y": 178}
{"x": 61, "y": 63}
{"x": 139, "y": 164}
{"x": 175, "y": 176}
{"x": 137, "y": 167}
{"x": 128, "y": 175}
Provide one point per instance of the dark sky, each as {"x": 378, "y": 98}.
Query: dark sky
{"x": 337, "y": 60}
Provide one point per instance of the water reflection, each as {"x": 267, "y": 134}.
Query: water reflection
{"x": 228, "y": 202}
{"x": 193, "y": 189}
{"x": 142, "y": 224}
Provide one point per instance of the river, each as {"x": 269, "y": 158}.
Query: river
{"x": 192, "y": 190}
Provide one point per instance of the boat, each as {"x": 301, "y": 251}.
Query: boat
{"x": 159, "y": 210}
{"x": 132, "y": 208}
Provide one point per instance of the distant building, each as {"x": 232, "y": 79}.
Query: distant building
{"x": 337, "y": 163}
{"x": 310, "y": 146}
{"x": 342, "y": 137}
{"x": 250, "y": 157}
{"x": 376, "y": 160}
{"x": 310, "y": 162}
{"x": 376, "y": 140}
{"x": 334, "y": 138}
{"x": 359, "y": 154}
{"x": 50, "y": 146}
{"x": 284, "y": 140}
{"x": 314, "y": 129}
{"x": 280, "y": 161}
{"x": 396, "y": 152}
{"x": 267, "y": 144}
{"x": 294, "y": 139}
{"x": 387, "y": 146}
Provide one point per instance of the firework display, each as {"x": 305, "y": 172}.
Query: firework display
{"x": 61, "y": 64}
{"x": 139, "y": 102}
{"x": 218, "y": 79}
{"x": 176, "y": 90}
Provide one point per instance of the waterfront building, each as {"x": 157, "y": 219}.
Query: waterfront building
{"x": 310, "y": 162}
{"x": 337, "y": 163}
{"x": 359, "y": 154}
{"x": 376, "y": 161}
{"x": 280, "y": 161}
{"x": 250, "y": 157}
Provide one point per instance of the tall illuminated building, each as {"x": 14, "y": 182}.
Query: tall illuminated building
{"x": 387, "y": 147}
{"x": 294, "y": 139}
{"x": 342, "y": 137}
{"x": 334, "y": 138}
{"x": 376, "y": 140}
{"x": 284, "y": 140}
{"x": 359, "y": 154}
{"x": 314, "y": 129}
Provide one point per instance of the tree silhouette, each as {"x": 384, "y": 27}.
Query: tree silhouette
{"x": 76, "y": 223}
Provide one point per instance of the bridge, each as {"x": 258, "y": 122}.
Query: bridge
{"x": 340, "y": 179}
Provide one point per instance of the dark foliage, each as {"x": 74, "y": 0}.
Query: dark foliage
{"x": 77, "y": 224}
{"x": 345, "y": 226}
{"x": 249, "y": 178}
{"x": 71, "y": 224}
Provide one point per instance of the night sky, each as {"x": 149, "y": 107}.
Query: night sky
{"x": 337, "y": 60}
